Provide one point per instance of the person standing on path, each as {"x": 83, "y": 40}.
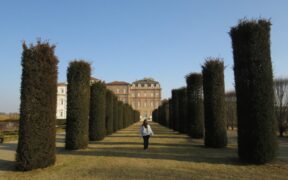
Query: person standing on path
{"x": 146, "y": 132}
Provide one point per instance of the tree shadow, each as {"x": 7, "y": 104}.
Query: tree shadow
{"x": 169, "y": 152}
{"x": 8, "y": 146}
{"x": 6, "y": 165}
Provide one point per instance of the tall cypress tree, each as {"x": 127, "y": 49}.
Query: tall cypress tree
{"x": 175, "y": 109}
{"x": 254, "y": 90}
{"x": 97, "y": 124}
{"x": 115, "y": 113}
{"x": 195, "y": 105}
{"x": 36, "y": 143}
{"x": 214, "y": 103}
{"x": 182, "y": 93}
{"x": 109, "y": 112}
{"x": 78, "y": 99}
{"x": 120, "y": 115}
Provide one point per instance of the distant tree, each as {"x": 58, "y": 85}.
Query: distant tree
{"x": 253, "y": 74}
{"x": 78, "y": 99}
{"x": 231, "y": 109}
{"x": 175, "y": 110}
{"x": 36, "y": 142}
{"x": 109, "y": 112}
{"x": 97, "y": 123}
{"x": 115, "y": 113}
{"x": 120, "y": 115}
{"x": 195, "y": 105}
{"x": 183, "y": 123}
{"x": 281, "y": 103}
{"x": 214, "y": 103}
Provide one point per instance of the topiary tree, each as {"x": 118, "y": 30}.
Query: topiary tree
{"x": 120, "y": 115}
{"x": 195, "y": 109}
{"x": 36, "y": 141}
{"x": 182, "y": 94}
{"x": 214, "y": 103}
{"x": 109, "y": 112}
{"x": 97, "y": 124}
{"x": 254, "y": 90}
{"x": 175, "y": 109}
{"x": 115, "y": 113}
{"x": 78, "y": 99}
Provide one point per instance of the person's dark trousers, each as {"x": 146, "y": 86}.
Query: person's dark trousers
{"x": 146, "y": 141}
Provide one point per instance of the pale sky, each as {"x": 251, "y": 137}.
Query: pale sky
{"x": 126, "y": 40}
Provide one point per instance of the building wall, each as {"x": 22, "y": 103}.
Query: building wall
{"x": 61, "y": 101}
{"x": 145, "y": 99}
{"x": 121, "y": 91}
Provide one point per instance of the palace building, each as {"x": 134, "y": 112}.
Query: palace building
{"x": 143, "y": 95}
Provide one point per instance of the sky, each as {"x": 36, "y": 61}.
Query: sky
{"x": 127, "y": 40}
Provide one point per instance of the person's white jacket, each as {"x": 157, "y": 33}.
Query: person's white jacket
{"x": 146, "y": 131}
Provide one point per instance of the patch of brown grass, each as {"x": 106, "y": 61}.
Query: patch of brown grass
{"x": 170, "y": 156}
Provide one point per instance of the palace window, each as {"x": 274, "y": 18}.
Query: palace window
{"x": 117, "y": 90}
{"x": 152, "y": 94}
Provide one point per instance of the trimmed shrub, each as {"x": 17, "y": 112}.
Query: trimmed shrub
{"x": 36, "y": 142}
{"x": 195, "y": 110}
{"x": 97, "y": 124}
{"x": 115, "y": 113}
{"x": 254, "y": 90}
{"x": 78, "y": 99}
{"x": 175, "y": 110}
{"x": 182, "y": 93}
{"x": 214, "y": 103}
{"x": 109, "y": 112}
{"x": 171, "y": 122}
{"x": 120, "y": 115}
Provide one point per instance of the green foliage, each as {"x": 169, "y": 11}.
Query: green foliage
{"x": 78, "y": 98}
{"x": 115, "y": 113}
{"x": 214, "y": 103}
{"x": 171, "y": 120}
{"x": 120, "y": 115}
{"x": 254, "y": 90}
{"x": 36, "y": 143}
{"x": 109, "y": 112}
{"x": 175, "y": 110}
{"x": 195, "y": 109}
{"x": 97, "y": 124}
{"x": 182, "y": 94}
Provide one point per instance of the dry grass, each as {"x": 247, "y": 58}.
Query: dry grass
{"x": 9, "y": 117}
{"x": 171, "y": 156}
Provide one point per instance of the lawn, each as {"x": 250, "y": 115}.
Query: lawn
{"x": 171, "y": 156}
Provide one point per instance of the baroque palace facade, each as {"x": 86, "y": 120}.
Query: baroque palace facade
{"x": 143, "y": 95}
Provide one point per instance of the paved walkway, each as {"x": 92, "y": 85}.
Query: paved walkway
{"x": 170, "y": 156}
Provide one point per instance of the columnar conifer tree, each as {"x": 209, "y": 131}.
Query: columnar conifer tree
{"x": 115, "y": 113}
{"x": 36, "y": 143}
{"x": 214, "y": 103}
{"x": 97, "y": 124}
{"x": 195, "y": 105}
{"x": 78, "y": 99}
{"x": 120, "y": 115}
{"x": 254, "y": 91}
{"x": 109, "y": 112}
{"x": 175, "y": 107}
{"x": 171, "y": 120}
{"x": 182, "y": 94}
